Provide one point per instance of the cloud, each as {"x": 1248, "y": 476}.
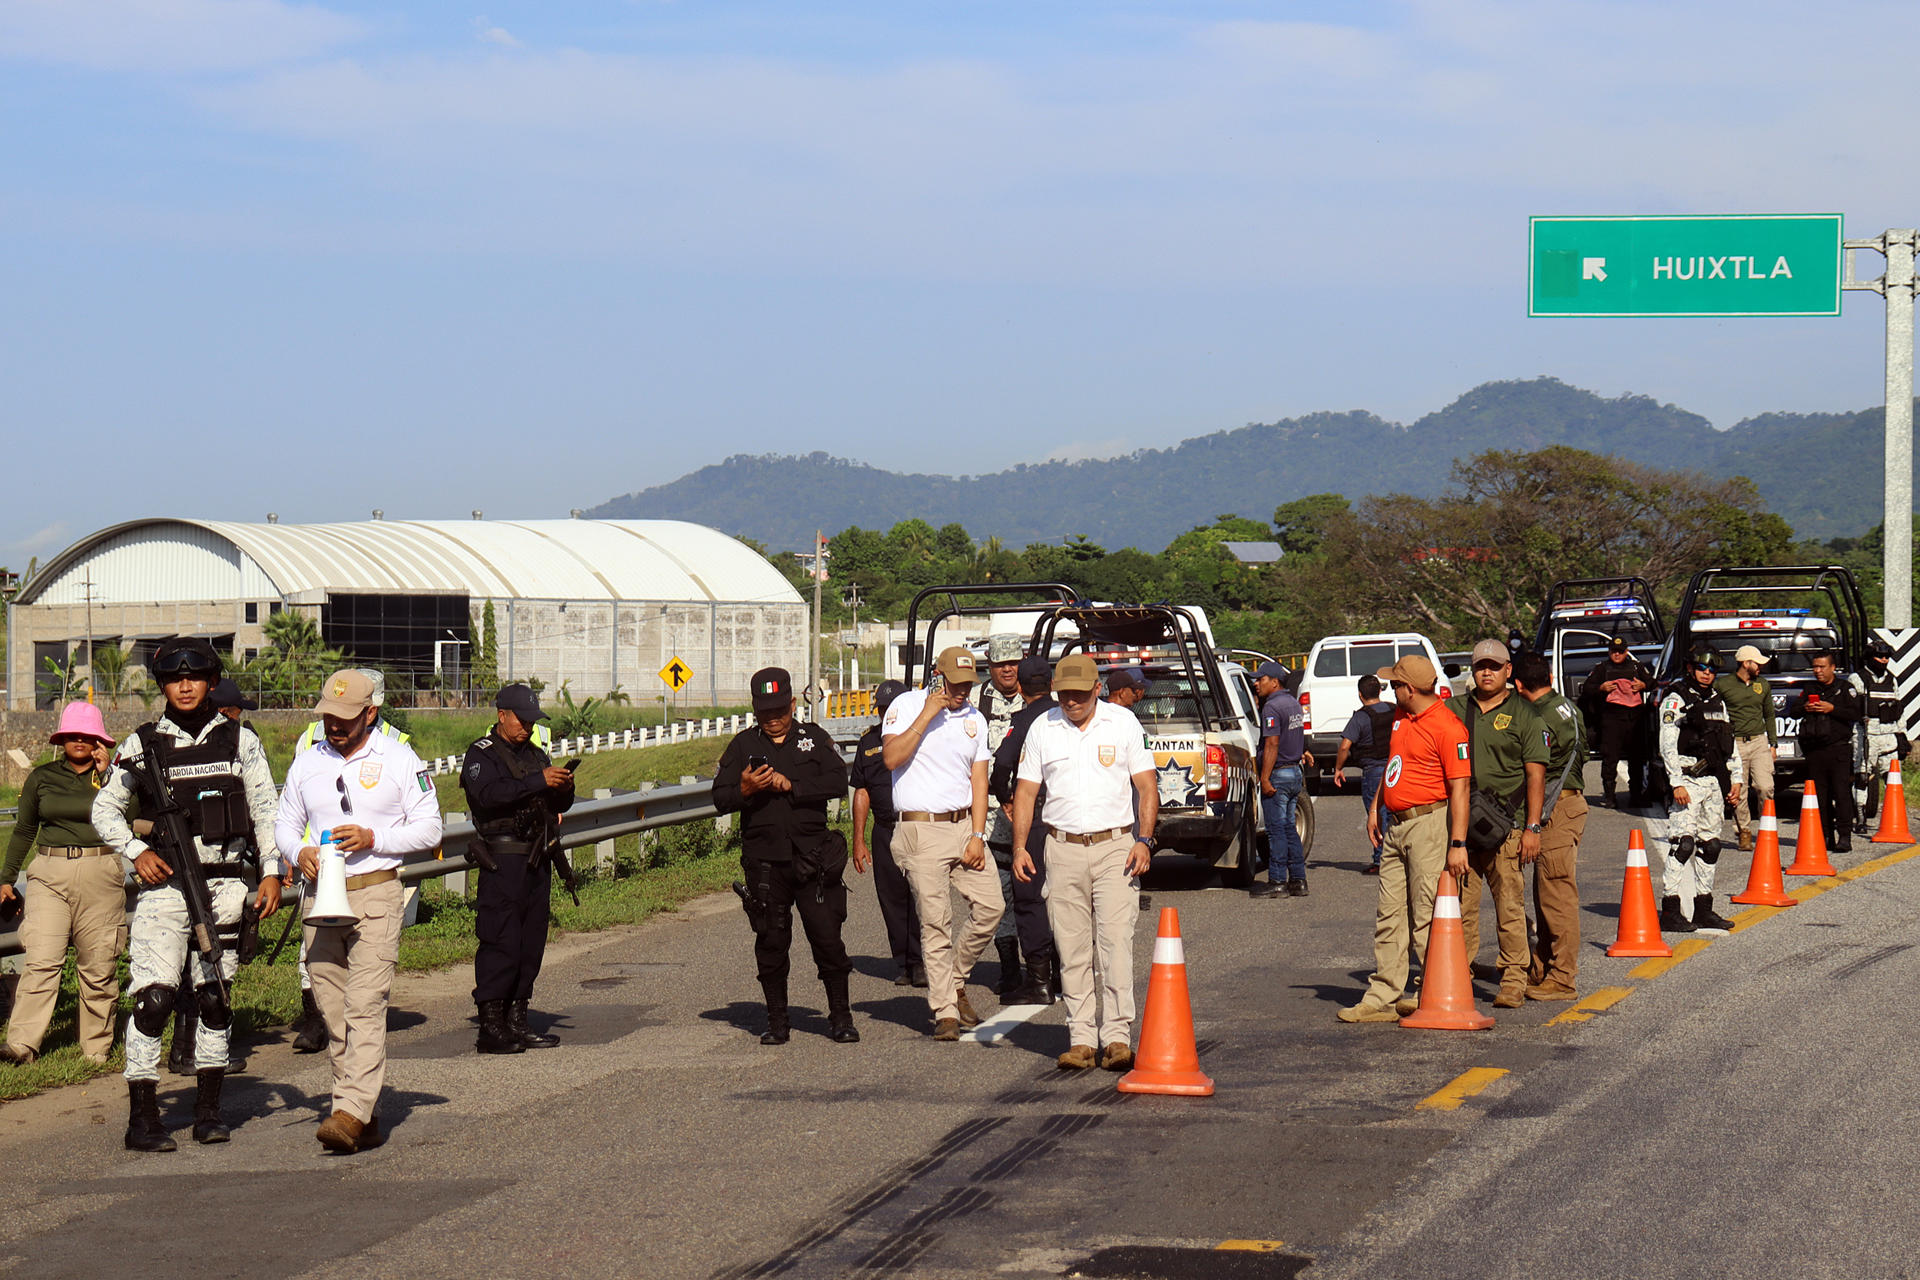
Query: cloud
{"x": 490, "y": 34}
{"x": 40, "y": 543}
{"x": 169, "y": 35}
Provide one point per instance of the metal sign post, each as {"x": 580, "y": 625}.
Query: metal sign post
{"x": 1897, "y": 287}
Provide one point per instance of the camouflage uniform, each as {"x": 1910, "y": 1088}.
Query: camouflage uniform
{"x": 1691, "y": 836}
{"x": 998, "y": 708}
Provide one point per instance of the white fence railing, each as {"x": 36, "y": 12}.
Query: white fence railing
{"x": 622, "y": 740}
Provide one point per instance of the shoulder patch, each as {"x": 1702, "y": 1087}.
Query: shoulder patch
{"x": 426, "y": 783}
{"x": 1460, "y": 751}
{"x": 1566, "y": 712}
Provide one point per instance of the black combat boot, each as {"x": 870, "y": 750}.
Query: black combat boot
{"x": 840, "y": 1011}
{"x": 495, "y": 1035}
{"x": 180, "y": 1058}
{"x": 517, "y": 1023}
{"x": 206, "y": 1107}
{"x": 1009, "y": 949}
{"x": 1039, "y": 985}
{"x": 1671, "y": 921}
{"x": 778, "y": 1029}
{"x": 310, "y": 1033}
{"x": 144, "y": 1131}
{"x": 1706, "y": 919}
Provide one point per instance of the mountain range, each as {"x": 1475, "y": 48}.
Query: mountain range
{"x": 1821, "y": 471}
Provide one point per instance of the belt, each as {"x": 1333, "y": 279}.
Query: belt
{"x": 71, "y": 851}
{"x": 370, "y": 879}
{"x": 921, "y": 815}
{"x": 1418, "y": 810}
{"x": 1088, "y": 837}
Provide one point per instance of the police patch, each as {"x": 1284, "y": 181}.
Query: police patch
{"x": 1107, "y": 756}
{"x": 1501, "y": 722}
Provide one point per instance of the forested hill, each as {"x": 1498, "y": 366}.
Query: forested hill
{"x": 1822, "y": 472}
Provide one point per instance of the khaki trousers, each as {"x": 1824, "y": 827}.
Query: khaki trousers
{"x": 1500, "y": 869}
{"x": 1758, "y": 758}
{"x": 929, "y": 855}
{"x": 1556, "y": 894}
{"x": 82, "y": 901}
{"x": 1412, "y": 855}
{"x": 352, "y": 967}
{"x": 1093, "y": 905}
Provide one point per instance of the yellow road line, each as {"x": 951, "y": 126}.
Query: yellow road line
{"x": 1598, "y": 1002}
{"x": 1753, "y": 916}
{"x": 1681, "y": 950}
{"x": 1462, "y": 1087}
{"x": 1252, "y": 1246}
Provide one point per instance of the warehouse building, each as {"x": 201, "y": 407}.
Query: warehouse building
{"x": 598, "y": 603}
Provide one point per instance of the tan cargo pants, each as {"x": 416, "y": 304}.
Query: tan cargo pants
{"x": 1757, "y": 756}
{"x": 1500, "y": 869}
{"x": 352, "y": 967}
{"x": 929, "y": 855}
{"x": 1092, "y": 906}
{"x": 1412, "y": 855}
{"x": 82, "y": 901}
{"x": 1556, "y": 894}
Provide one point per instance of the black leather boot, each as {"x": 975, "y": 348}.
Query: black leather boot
{"x": 778, "y": 1030}
{"x": 1038, "y": 988}
{"x": 517, "y": 1023}
{"x": 1671, "y": 921}
{"x": 840, "y": 1011}
{"x": 1009, "y": 949}
{"x": 1706, "y": 919}
{"x": 495, "y": 1035}
{"x": 144, "y": 1131}
{"x": 206, "y": 1107}
{"x": 180, "y": 1057}
{"x": 310, "y": 1033}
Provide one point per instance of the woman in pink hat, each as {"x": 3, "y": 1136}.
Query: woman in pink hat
{"x": 74, "y": 892}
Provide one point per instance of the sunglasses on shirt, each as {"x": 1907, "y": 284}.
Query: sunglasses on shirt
{"x": 340, "y": 785}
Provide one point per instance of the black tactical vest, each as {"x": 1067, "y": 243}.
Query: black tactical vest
{"x": 1883, "y": 696}
{"x": 204, "y": 779}
{"x": 1703, "y": 736}
{"x": 1381, "y": 733}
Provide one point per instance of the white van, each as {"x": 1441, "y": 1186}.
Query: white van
{"x": 1329, "y": 685}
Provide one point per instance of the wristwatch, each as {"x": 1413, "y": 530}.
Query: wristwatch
{"x": 981, "y": 836}
{"x": 1153, "y": 845}
{"x": 1456, "y": 844}
{"x": 1534, "y": 827}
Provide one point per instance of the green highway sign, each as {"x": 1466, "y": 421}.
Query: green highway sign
{"x": 1784, "y": 264}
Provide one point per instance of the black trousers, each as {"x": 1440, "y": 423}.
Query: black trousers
{"x": 1830, "y": 768}
{"x": 1623, "y": 737}
{"x": 1029, "y": 904}
{"x": 896, "y": 899}
{"x": 822, "y": 907}
{"x": 511, "y": 909}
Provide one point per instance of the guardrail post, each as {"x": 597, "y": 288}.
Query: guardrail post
{"x": 646, "y": 838}
{"x": 603, "y": 850}
{"x": 456, "y": 881}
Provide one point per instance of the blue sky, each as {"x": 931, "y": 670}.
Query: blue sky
{"x": 524, "y": 257}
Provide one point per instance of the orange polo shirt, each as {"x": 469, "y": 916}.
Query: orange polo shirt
{"x": 1426, "y": 751}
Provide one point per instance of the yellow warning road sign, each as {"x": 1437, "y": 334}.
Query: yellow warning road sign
{"x": 677, "y": 674}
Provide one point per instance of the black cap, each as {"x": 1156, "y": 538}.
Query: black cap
{"x": 184, "y": 655}
{"x": 522, "y": 701}
{"x": 1035, "y": 673}
{"x": 227, "y": 694}
{"x": 1619, "y": 644}
{"x": 1126, "y": 678}
{"x": 772, "y": 688}
{"x": 885, "y": 692}
{"x": 1879, "y": 649}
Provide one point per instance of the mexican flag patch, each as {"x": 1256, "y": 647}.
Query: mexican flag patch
{"x": 426, "y": 783}
{"x": 1460, "y": 751}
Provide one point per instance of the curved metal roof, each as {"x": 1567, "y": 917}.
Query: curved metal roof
{"x": 182, "y": 560}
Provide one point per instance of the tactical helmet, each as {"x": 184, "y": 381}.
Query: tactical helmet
{"x": 1879, "y": 650}
{"x": 1705, "y": 658}
{"x": 184, "y": 656}
{"x": 884, "y": 695}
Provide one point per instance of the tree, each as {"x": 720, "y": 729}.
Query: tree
{"x": 486, "y": 659}
{"x": 1301, "y": 525}
{"x": 294, "y": 662}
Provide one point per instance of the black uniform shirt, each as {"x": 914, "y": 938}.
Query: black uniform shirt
{"x": 870, "y": 774}
{"x": 495, "y": 794}
{"x": 1829, "y": 728}
{"x": 779, "y": 822}
{"x": 1006, "y": 761}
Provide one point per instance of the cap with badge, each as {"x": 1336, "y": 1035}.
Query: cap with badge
{"x": 1005, "y": 647}
{"x": 1491, "y": 651}
{"x": 345, "y": 694}
{"x": 956, "y": 665}
{"x": 522, "y": 701}
{"x": 1271, "y": 670}
{"x": 1619, "y": 645}
{"x": 1077, "y": 673}
{"x": 772, "y": 689}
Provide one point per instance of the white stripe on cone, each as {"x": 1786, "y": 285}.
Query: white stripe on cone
{"x": 1768, "y": 822}
{"x": 1808, "y": 800}
{"x": 1446, "y": 908}
{"x": 1168, "y": 951}
{"x": 1636, "y": 857}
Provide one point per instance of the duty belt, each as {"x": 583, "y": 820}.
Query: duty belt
{"x": 371, "y": 878}
{"x": 1088, "y": 837}
{"x": 1417, "y": 811}
{"x": 71, "y": 851}
{"x": 921, "y": 815}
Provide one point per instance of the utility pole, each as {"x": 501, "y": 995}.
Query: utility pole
{"x": 1897, "y": 287}
{"x": 87, "y": 586}
{"x": 813, "y": 667}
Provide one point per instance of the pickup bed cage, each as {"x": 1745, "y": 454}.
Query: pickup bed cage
{"x": 1580, "y": 590}
{"x": 1848, "y": 614}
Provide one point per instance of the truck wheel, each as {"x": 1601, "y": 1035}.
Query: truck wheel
{"x": 1303, "y": 822}
{"x": 1247, "y": 856}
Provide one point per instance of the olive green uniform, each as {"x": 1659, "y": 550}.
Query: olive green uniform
{"x": 1504, "y": 741}
{"x": 1755, "y": 735}
{"x": 1556, "y": 895}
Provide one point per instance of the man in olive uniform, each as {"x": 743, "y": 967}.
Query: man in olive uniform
{"x": 1704, "y": 772}
{"x": 1556, "y": 894}
{"x": 1510, "y": 748}
{"x": 1883, "y": 736}
{"x": 780, "y": 775}
{"x": 215, "y": 769}
{"x": 1616, "y": 690}
{"x": 1755, "y": 735}
{"x": 516, "y": 795}
{"x": 1830, "y": 711}
{"x": 873, "y": 796}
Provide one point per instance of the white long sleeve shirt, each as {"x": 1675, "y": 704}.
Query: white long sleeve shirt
{"x": 382, "y": 786}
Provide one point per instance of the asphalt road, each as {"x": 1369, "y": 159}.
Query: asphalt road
{"x": 1747, "y": 1111}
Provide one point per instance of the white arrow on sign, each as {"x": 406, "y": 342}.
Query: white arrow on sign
{"x": 1593, "y": 268}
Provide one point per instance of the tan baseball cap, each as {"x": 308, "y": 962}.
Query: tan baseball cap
{"x": 1077, "y": 673}
{"x": 1747, "y": 653}
{"x": 345, "y": 694}
{"x": 1491, "y": 651}
{"x": 1411, "y": 670}
{"x": 956, "y": 665}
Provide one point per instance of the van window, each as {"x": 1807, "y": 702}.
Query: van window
{"x": 1370, "y": 657}
{"x": 1411, "y": 650}
{"x": 1331, "y": 662}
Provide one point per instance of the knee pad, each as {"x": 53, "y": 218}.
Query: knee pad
{"x": 1709, "y": 851}
{"x": 214, "y": 1013}
{"x": 152, "y": 1009}
{"x": 1683, "y": 850}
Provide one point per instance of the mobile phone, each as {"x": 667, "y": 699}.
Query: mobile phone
{"x": 756, "y": 763}
{"x": 572, "y": 764}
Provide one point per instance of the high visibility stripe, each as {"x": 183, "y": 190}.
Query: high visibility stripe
{"x": 1446, "y": 908}
{"x": 1168, "y": 951}
{"x": 1636, "y": 857}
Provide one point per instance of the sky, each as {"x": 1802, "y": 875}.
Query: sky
{"x": 430, "y": 257}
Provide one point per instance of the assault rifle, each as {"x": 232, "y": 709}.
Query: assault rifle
{"x": 172, "y": 839}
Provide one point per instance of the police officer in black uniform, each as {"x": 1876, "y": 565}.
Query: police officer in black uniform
{"x": 779, "y": 775}
{"x": 516, "y": 795}
{"x": 1029, "y": 897}
{"x": 873, "y": 794}
{"x": 1830, "y": 709}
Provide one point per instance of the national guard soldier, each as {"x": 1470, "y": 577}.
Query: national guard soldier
{"x": 873, "y": 796}
{"x": 517, "y": 797}
{"x": 780, "y": 775}
{"x": 1000, "y": 698}
{"x": 1883, "y": 738}
{"x": 204, "y": 781}
{"x": 1704, "y": 774}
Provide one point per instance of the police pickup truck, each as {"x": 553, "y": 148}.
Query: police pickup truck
{"x": 1200, "y": 714}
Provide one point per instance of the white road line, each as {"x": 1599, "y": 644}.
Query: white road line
{"x": 996, "y": 1028}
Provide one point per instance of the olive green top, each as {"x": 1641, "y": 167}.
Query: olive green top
{"x": 1505, "y": 740}
{"x": 1749, "y": 706}
{"x": 1568, "y": 735}
{"x": 56, "y": 808}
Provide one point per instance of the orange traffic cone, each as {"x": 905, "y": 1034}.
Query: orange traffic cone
{"x": 1168, "y": 1061}
{"x": 1446, "y": 985}
{"x": 1810, "y": 843}
{"x": 1764, "y": 886}
{"x": 1639, "y": 917}
{"x": 1893, "y": 810}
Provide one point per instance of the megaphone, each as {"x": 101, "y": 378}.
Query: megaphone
{"x": 330, "y": 905}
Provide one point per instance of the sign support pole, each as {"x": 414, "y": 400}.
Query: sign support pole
{"x": 1897, "y": 287}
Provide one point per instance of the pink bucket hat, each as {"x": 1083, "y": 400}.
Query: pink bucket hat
{"x": 81, "y": 720}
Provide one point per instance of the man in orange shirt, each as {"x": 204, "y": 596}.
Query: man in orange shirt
{"x": 1419, "y": 820}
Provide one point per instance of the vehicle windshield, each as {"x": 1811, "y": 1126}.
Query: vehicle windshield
{"x": 1789, "y": 652}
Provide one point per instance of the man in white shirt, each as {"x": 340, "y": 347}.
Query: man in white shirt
{"x": 935, "y": 742}
{"x": 1103, "y": 799}
{"x": 373, "y": 795}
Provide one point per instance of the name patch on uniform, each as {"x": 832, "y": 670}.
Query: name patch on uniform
{"x": 1107, "y": 756}
{"x": 370, "y": 774}
{"x": 973, "y": 730}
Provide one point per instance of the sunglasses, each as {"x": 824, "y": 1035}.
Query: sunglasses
{"x": 340, "y": 785}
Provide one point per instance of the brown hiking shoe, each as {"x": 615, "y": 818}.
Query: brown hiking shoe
{"x": 1746, "y": 838}
{"x": 1367, "y": 1012}
{"x": 1406, "y": 1005}
{"x": 1551, "y": 991}
{"x": 1118, "y": 1057}
{"x": 1512, "y": 995}
{"x": 1078, "y": 1058}
{"x": 340, "y": 1132}
{"x": 968, "y": 1018}
{"x": 947, "y": 1029}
